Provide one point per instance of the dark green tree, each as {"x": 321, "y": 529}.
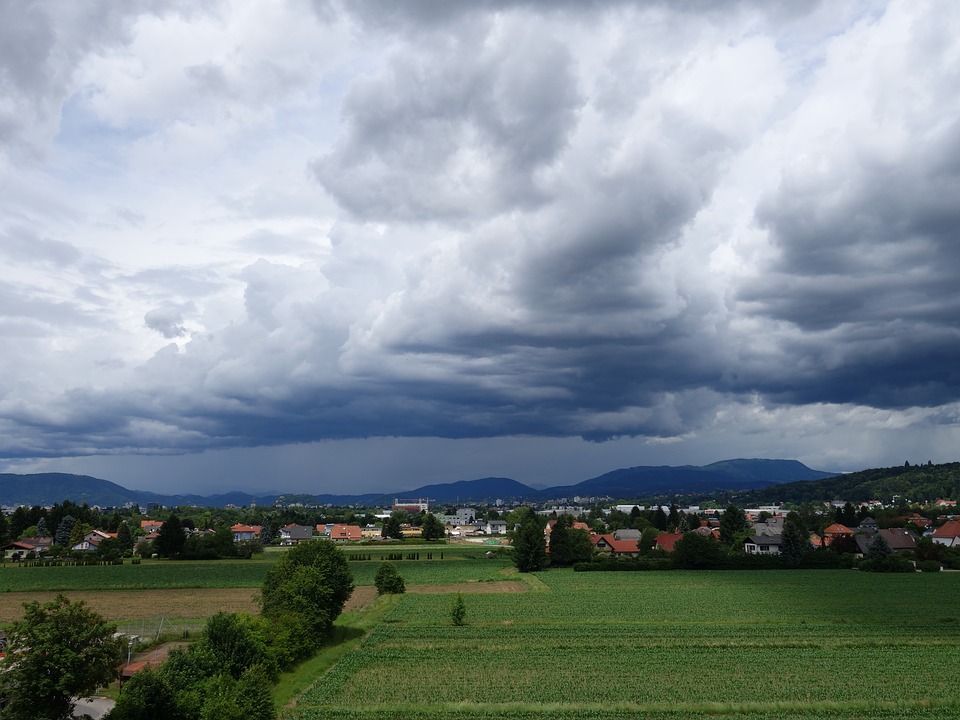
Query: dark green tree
{"x": 568, "y": 545}
{"x": 42, "y": 528}
{"x": 388, "y": 580}
{"x": 171, "y": 538}
{"x": 660, "y": 519}
{"x": 432, "y": 528}
{"x": 64, "y": 531}
{"x": 697, "y": 552}
{"x": 793, "y": 544}
{"x": 109, "y": 549}
{"x": 733, "y": 523}
{"x": 392, "y": 527}
{"x": 124, "y": 537}
{"x": 529, "y": 543}
{"x": 4, "y": 529}
{"x": 18, "y": 522}
{"x": 58, "y": 651}
{"x": 673, "y": 519}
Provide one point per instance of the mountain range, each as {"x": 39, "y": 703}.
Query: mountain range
{"x": 633, "y": 483}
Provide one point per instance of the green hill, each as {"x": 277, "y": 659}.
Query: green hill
{"x": 909, "y": 484}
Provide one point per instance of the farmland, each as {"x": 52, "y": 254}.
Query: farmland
{"x": 676, "y": 644}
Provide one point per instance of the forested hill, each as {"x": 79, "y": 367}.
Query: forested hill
{"x": 908, "y": 483}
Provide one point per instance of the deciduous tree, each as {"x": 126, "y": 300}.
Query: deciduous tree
{"x": 311, "y": 582}
{"x": 388, "y": 580}
{"x": 432, "y": 528}
{"x": 59, "y": 650}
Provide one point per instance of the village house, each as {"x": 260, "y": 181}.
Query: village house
{"x": 91, "y": 541}
{"x": 294, "y": 534}
{"x": 242, "y": 533}
{"x": 20, "y": 548}
{"x": 151, "y": 526}
{"x": 762, "y": 545}
{"x": 948, "y": 534}
{"x": 667, "y": 541}
{"x": 495, "y": 527}
{"x": 899, "y": 539}
{"x": 345, "y": 533}
{"x": 610, "y": 545}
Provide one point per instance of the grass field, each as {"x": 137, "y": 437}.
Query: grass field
{"x": 674, "y": 644}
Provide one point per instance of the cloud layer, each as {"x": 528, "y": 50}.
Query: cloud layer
{"x": 229, "y": 227}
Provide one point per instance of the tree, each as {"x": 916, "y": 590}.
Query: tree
{"x": 4, "y": 529}
{"x": 233, "y": 643}
{"x": 567, "y": 545}
{"x": 124, "y": 537}
{"x": 880, "y": 557}
{"x": 529, "y": 543}
{"x": 42, "y": 527}
{"x": 792, "y": 544}
{"x": 64, "y": 531}
{"x": 660, "y": 519}
{"x": 171, "y": 538}
{"x": 59, "y": 650}
{"x": 392, "y": 527}
{"x": 458, "y": 611}
{"x": 432, "y": 528}
{"x": 697, "y": 552}
{"x": 733, "y": 522}
{"x": 308, "y": 587}
{"x": 388, "y": 580}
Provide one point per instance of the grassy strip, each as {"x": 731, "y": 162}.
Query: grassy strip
{"x": 348, "y": 631}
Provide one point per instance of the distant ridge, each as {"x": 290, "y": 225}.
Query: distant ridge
{"x": 625, "y": 483}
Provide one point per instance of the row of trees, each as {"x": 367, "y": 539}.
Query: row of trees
{"x": 227, "y": 675}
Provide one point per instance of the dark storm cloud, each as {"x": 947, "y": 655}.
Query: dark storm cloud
{"x": 866, "y": 270}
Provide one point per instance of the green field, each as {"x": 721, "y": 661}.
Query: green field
{"x": 670, "y": 644}
{"x": 459, "y": 565}
{"x": 149, "y": 575}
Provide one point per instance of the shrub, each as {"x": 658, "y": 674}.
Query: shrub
{"x": 388, "y": 580}
{"x": 458, "y": 612}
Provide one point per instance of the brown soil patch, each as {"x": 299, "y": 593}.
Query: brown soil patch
{"x": 135, "y": 604}
{"x": 362, "y": 596}
{"x": 473, "y": 588}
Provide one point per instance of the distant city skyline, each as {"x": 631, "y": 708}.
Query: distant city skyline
{"x": 323, "y": 246}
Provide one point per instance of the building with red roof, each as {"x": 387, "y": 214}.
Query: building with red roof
{"x": 948, "y": 534}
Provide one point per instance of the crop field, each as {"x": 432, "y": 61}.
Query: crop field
{"x": 818, "y": 644}
{"x": 158, "y": 589}
{"x": 150, "y": 574}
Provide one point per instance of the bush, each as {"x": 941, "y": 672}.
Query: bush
{"x": 458, "y": 612}
{"x": 388, "y": 580}
{"x": 928, "y": 566}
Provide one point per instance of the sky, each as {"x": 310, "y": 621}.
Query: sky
{"x": 361, "y": 245}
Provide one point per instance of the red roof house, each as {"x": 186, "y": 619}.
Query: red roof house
{"x": 948, "y": 534}
{"x": 343, "y": 533}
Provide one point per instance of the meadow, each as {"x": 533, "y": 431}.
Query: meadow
{"x": 812, "y": 644}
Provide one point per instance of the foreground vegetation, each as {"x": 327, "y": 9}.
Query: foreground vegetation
{"x": 808, "y": 644}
